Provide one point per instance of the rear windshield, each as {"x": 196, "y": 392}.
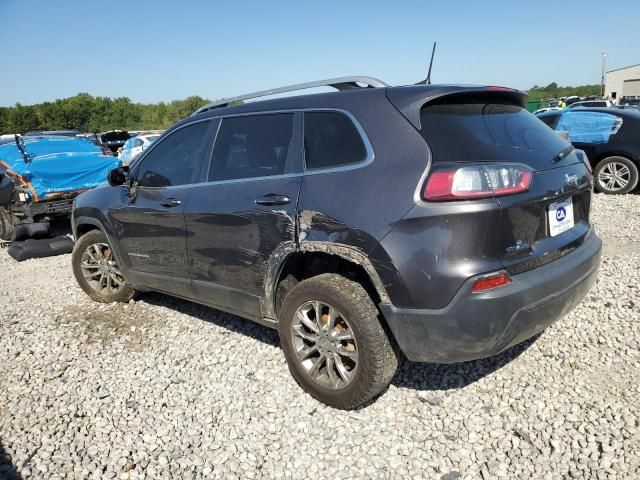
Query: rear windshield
{"x": 482, "y": 129}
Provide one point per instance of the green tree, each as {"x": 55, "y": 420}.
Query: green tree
{"x": 553, "y": 90}
{"x": 96, "y": 114}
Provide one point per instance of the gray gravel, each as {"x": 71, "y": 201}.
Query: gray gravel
{"x": 161, "y": 388}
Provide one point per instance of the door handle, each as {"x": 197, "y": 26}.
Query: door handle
{"x": 273, "y": 199}
{"x": 171, "y": 202}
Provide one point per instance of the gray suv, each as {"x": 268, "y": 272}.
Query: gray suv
{"x": 441, "y": 223}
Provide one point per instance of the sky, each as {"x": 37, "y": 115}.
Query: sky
{"x": 154, "y": 51}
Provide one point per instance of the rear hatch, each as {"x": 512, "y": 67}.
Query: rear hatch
{"x": 491, "y": 129}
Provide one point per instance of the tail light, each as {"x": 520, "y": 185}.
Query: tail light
{"x": 477, "y": 181}
{"x": 490, "y": 282}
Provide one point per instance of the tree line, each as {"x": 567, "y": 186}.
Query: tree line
{"x": 86, "y": 113}
{"x": 553, "y": 90}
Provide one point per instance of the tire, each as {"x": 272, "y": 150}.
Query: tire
{"x": 6, "y": 224}
{"x": 355, "y": 316}
{"x": 100, "y": 279}
{"x": 616, "y": 175}
{"x": 283, "y": 289}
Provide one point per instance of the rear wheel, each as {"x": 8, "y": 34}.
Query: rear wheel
{"x": 616, "y": 175}
{"x": 6, "y": 224}
{"x": 96, "y": 270}
{"x": 336, "y": 347}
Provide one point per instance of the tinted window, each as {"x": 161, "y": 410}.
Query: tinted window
{"x": 252, "y": 146}
{"x": 474, "y": 129}
{"x": 589, "y": 127}
{"x": 550, "y": 120}
{"x": 173, "y": 161}
{"x": 331, "y": 140}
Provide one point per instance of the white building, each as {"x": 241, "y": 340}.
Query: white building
{"x": 622, "y": 82}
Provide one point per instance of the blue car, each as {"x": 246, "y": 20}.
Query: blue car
{"x": 41, "y": 175}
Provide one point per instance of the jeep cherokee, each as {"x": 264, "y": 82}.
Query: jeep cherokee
{"x": 444, "y": 222}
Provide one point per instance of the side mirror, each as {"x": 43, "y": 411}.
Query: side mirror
{"x": 118, "y": 176}
{"x": 563, "y": 134}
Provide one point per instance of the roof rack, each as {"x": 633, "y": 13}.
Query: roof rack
{"x": 340, "y": 83}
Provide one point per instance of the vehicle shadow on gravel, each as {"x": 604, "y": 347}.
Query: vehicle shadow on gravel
{"x": 7, "y": 470}
{"x": 412, "y": 375}
{"x": 432, "y": 376}
{"x": 230, "y": 322}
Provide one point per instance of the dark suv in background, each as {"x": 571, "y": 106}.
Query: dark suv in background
{"x": 609, "y": 137}
{"x": 445, "y": 222}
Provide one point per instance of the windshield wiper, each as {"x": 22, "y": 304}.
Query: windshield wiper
{"x": 564, "y": 153}
{"x": 23, "y": 151}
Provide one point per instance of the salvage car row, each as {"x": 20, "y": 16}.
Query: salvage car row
{"x": 42, "y": 172}
{"x": 38, "y": 181}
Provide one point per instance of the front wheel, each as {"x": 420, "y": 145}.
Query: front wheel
{"x": 96, "y": 270}
{"x": 6, "y": 224}
{"x": 335, "y": 346}
{"x": 616, "y": 175}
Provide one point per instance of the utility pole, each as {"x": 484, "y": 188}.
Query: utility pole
{"x": 604, "y": 64}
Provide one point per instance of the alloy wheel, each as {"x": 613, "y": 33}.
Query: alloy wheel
{"x": 325, "y": 345}
{"x": 614, "y": 176}
{"x": 100, "y": 270}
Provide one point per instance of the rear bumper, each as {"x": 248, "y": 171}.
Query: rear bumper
{"x": 479, "y": 325}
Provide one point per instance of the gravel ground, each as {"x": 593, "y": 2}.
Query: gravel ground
{"x": 161, "y": 388}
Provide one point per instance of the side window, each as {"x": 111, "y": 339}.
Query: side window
{"x": 173, "y": 161}
{"x": 589, "y": 127}
{"x": 550, "y": 120}
{"x": 252, "y": 146}
{"x": 331, "y": 140}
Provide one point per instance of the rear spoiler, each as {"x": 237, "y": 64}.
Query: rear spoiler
{"x": 410, "y": 100}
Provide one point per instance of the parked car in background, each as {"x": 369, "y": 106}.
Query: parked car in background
{"x": 136, "y": 145}
{"x": 591, "y": 103}
{"x": 445, "y": 220}
{"x": 114, "y": 139}
{"x": 611, "y": 139}
{"x": 41, "y": 175}
{"x": 633, "y": 108}
{"x": 93, "y": 138}
{"x": 630, "y": 100}
{"x": 64, "y": 133}
{"x": 8, "y": 138}
{"x": 547, "y": 109}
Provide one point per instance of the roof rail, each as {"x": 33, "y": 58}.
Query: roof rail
{"x": 340, "y": 83}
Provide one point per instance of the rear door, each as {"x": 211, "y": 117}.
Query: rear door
{"x": 149, "y": 224}
{"x": 244, "y": 209}
{"x": 536, "y": 226}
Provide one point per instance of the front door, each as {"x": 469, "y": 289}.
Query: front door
{"x": 149, "y": 224}
{"x": 245, "y": 209}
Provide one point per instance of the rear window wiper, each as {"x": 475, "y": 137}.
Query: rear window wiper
{"x": 565, "y": 152}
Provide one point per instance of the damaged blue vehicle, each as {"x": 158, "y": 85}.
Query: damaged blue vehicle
{"x": 41, "y": 175}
